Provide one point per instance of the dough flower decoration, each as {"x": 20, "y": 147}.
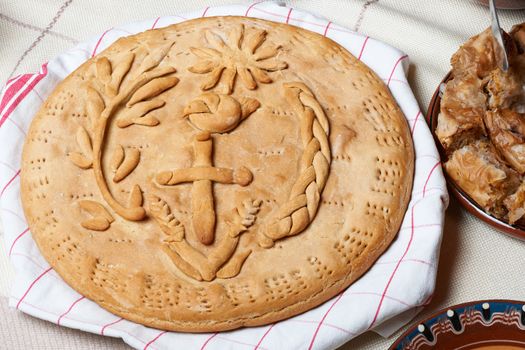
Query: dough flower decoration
{"x": 242, "y": 53}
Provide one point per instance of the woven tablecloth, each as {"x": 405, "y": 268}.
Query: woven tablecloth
{"x": 476, "y": 261}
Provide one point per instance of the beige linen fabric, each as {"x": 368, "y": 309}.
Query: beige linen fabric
{"x": 476, "y": 261}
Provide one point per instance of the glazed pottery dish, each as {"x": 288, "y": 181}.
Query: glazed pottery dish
{"x": 480, "y": 325}
{"x": 506, "y": 4}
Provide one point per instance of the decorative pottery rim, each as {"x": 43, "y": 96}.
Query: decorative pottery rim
{"x": 455, "y": 321}
{"x": 506, "y": 4}
{"x": 517, "y": 231}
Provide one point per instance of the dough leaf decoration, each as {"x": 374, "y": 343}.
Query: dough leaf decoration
{"x": 84, "y": 158}
{"x": 123, "y": 87}
{"x": 152, "y": 89}
{"x": 161, "y": 212}
{"x": 80, "y": 160}
{"x": 135, "y": 197}
{"x": 95, "y": 105}
{"x": 100, "y": 219}
{"x": 223, "y": 259}
{"x": 247, "y": 215}
{"x": 140, "y": 114}
{"x": 121, "y": 69}
{"x": 103, "y": 67}
{"x": 155, "y": 57}
{"x": 118, "y": 157}
{"x": 129, "y": 163}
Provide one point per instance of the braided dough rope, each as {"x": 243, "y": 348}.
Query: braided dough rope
{"x": 299, "y": 210}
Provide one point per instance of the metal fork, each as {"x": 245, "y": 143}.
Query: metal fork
{"x": 503, "y": 61}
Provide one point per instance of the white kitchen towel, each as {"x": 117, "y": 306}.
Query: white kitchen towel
{"x": 386, "y": 297}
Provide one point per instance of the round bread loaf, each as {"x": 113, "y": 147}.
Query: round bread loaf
{"x": 217, "y": 173}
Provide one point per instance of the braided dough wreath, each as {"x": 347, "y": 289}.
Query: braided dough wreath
{"x": 218, "y": 173}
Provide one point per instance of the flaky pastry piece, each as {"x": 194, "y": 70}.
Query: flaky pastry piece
{"x": 461, "y": 117}
{"x": 481, "y": 124}
{"x": 518, "y": 35}
{"x": 505, "y": 89}
{"x": 477, "y": 85}
{"x": 507, "y": 132}
{"x": 505, "y": 118}
{"x": 476, "y": 56}
{"x": 477, "y": 170}
{"x": 464, "y": 102}
{"x": 506, "y": 124}
{"x": 515, "y": 204}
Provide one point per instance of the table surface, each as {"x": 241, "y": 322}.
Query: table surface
{"x": 476, "y": 261}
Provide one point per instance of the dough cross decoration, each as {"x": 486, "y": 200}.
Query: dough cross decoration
{"x": 203, "y": 174}
{"x": 210, "y": 114}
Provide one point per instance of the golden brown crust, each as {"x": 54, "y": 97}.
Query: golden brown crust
{"x": 462, "y": 111}
{"x": 476, "y": 168}
{"x": 297, "y": 184}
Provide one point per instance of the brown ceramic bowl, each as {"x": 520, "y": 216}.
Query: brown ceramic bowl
{"x": 517, "y": 231}
{"x": 484, "y": 324}
{"x": 506, "y": 4}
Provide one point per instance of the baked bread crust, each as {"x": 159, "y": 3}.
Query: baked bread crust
{"x": 217, "y": 173}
